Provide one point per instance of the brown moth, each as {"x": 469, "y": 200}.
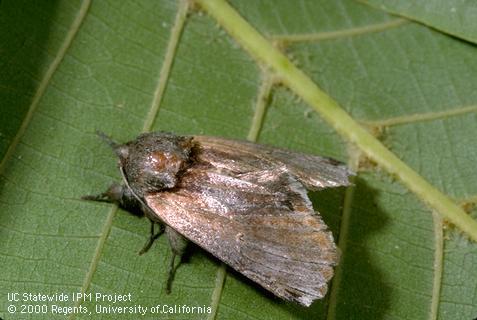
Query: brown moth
{"x": 243, "y": 202}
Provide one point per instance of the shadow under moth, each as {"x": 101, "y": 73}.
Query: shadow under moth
{"x": 245, "y": 203}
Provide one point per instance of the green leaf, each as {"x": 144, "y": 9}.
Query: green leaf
{"x": 70, "y": 68}
{"x": 455, "y": 17}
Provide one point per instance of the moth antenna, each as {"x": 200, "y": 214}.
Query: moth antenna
{"x": 119, "y": 149}
{"x": 102, "y": 197}
{"x": 112, "y": 195}
{"x": 107, "y": 139}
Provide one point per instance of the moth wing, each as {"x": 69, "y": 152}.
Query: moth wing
{"x": 313, "y": 171}
{"x": 261, "y": 223}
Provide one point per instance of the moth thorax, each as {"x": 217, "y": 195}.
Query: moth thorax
{"x": 160, "y": 169}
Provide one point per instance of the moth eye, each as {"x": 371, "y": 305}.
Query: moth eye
{"x": 122, "y": 151}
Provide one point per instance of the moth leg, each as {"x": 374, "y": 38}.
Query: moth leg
{"x": 178, "y": 245}
{"x": 122, "y": 196}
{"x": 152, "y": 237}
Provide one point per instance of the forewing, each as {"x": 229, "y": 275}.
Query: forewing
{"x": 260, "y": 223}
{"x": 314, "y": 172}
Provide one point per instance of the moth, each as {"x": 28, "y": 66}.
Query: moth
{"x": 245, "y": 203}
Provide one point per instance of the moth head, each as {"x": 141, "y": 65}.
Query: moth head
{"x": 154, "y": 161}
